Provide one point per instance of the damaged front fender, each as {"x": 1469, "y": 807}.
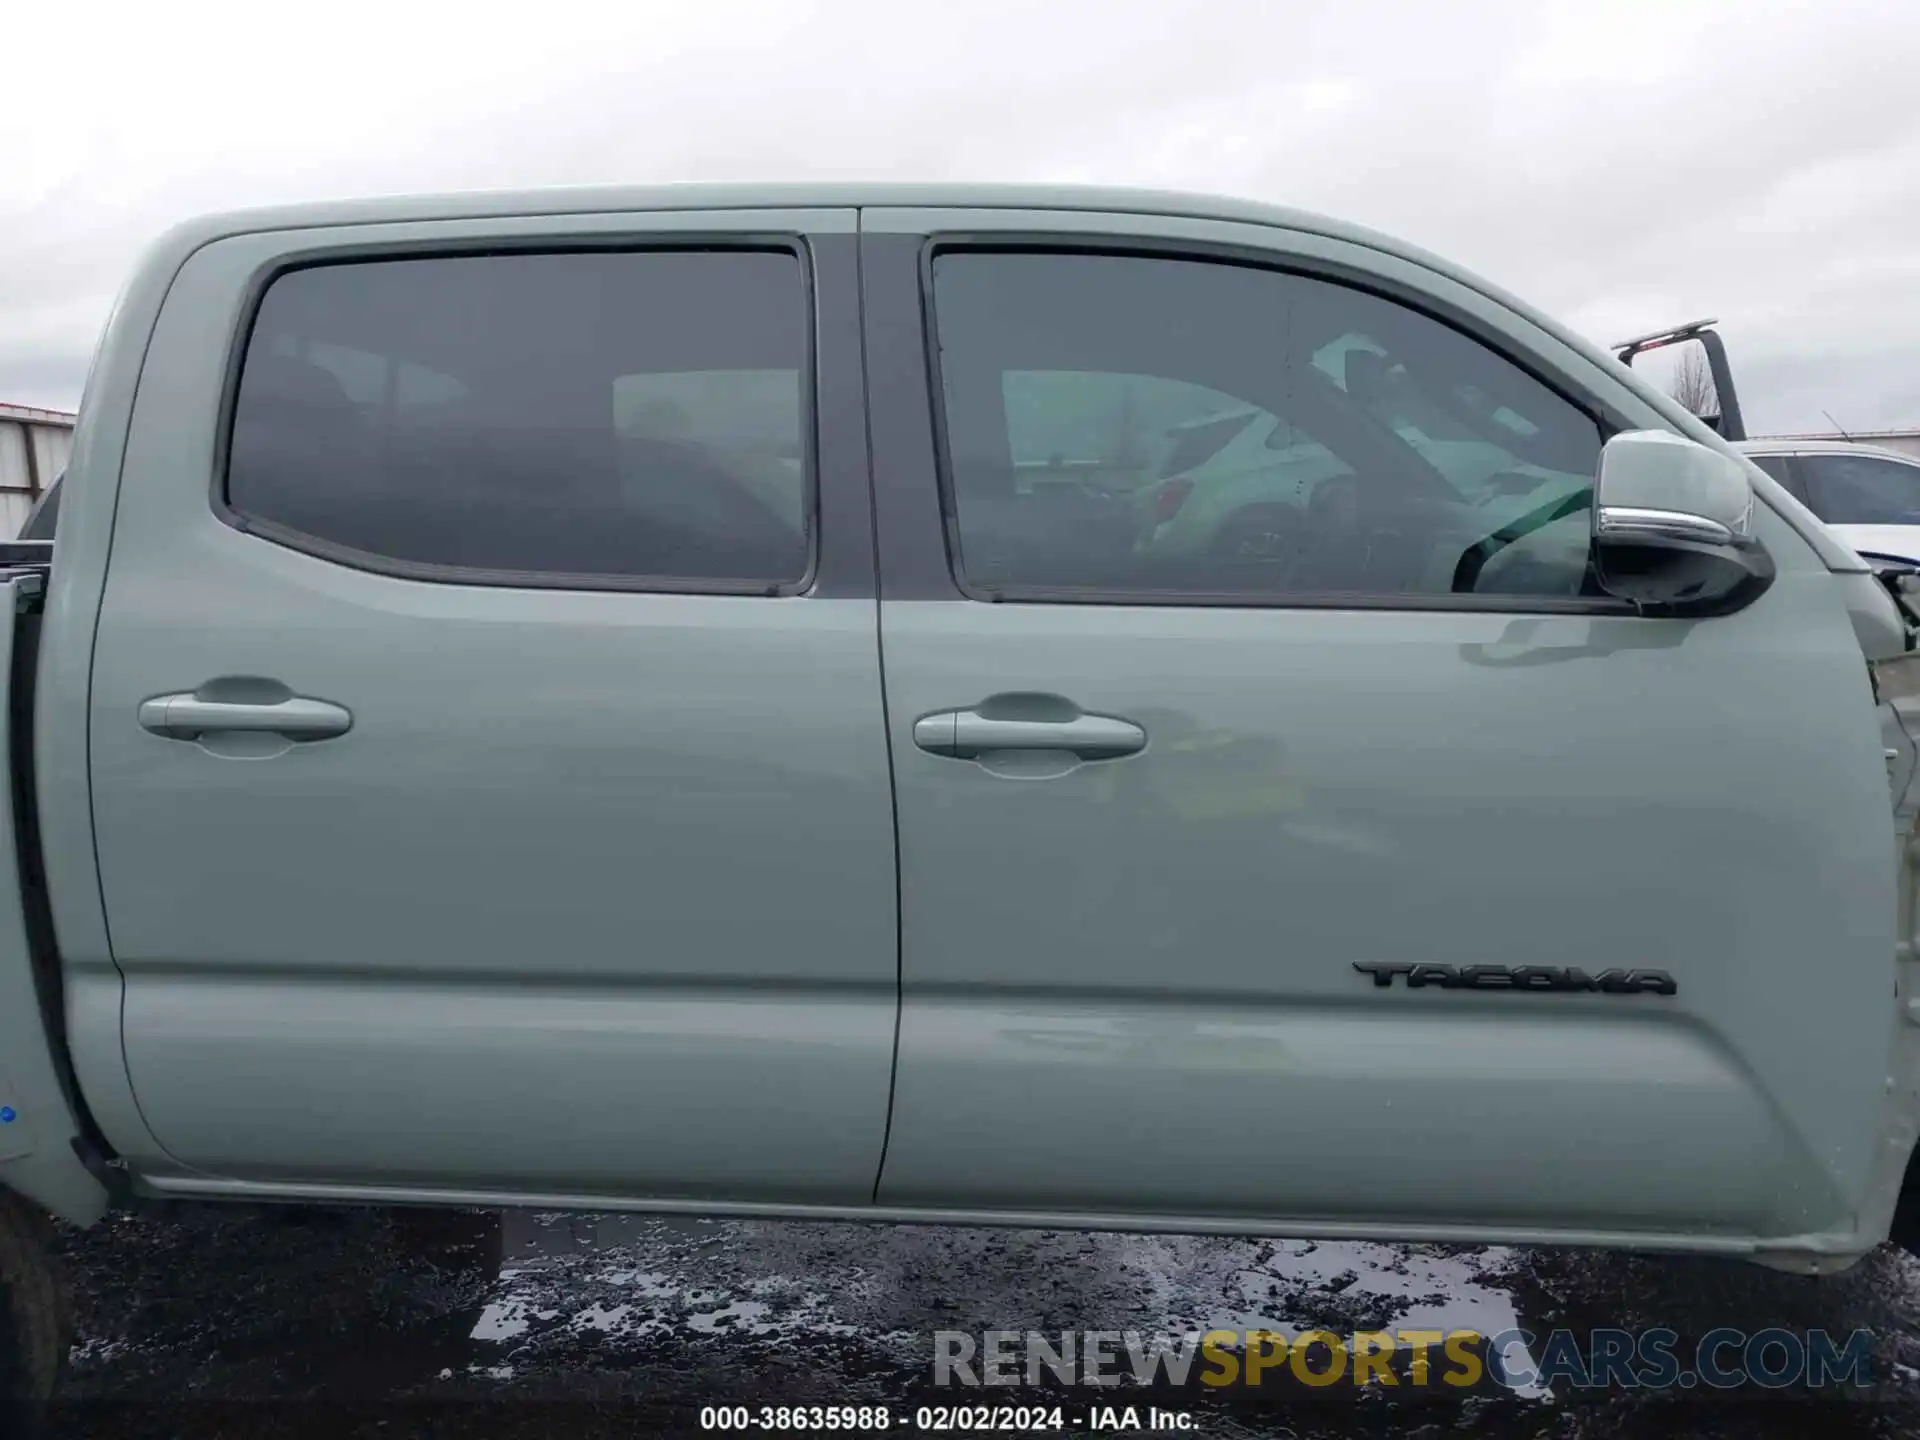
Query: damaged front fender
{"x": 1885, "y": 610}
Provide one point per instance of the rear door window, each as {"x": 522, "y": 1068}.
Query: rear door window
{"x": 638, "y": 419}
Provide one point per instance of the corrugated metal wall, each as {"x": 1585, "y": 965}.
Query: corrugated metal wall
{"x": 34, "y": 447}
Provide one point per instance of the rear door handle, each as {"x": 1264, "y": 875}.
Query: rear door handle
{"x": 187, "y": 716}
{"x": 967, "y": 734}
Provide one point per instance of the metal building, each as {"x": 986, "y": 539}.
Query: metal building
{"x": 34, "y": 446}
{"x": 1907, "y": 440}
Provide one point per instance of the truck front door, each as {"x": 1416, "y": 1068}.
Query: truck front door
{"x": 1250, "y": 865}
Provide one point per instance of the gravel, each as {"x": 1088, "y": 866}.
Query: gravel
{"x": 203, "y": 1321}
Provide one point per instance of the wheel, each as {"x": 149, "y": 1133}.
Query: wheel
{"x": 35, "y": 1327}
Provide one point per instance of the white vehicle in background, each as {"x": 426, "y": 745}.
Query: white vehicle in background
{"x": 1869, "y": 497}
{"x": 1246, "y": 484}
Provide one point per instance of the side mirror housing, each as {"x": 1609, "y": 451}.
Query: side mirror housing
{"x": 1673, "y": 527}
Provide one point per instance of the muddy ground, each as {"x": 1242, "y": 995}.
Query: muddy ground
{"x": 216, "y": 1321}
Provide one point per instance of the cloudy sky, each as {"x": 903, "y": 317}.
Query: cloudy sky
{"x": 1623, "y": 164}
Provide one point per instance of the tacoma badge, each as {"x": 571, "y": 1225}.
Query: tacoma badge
{"x": 1520, "y": 977}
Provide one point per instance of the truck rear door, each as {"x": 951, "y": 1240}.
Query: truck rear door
{"x": 487, "y": 750}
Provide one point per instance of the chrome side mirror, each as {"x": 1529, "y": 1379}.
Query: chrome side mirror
{"x": 1673, "y": 526}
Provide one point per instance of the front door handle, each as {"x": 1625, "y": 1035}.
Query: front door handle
{"x": 187, "y": 717}
{"x": 967, "y": 735}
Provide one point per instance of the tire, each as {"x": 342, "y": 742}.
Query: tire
{"x": 35, "y": 1325}
{"x": 1904, "y": 1229}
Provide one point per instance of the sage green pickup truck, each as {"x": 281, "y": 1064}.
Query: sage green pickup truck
{"x": 618, "y": 699}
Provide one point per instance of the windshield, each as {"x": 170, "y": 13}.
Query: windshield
{"x": 1460, "y": 423}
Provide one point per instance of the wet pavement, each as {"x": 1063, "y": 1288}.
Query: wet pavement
{"x": 222, "y": 1321}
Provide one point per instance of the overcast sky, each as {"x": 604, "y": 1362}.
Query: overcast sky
{"x": 1623, "y": 164}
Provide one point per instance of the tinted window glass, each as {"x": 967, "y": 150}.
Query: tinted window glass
{"x": 1196, "y": 443}
{"x": 1784, "y": 469}
{"x": 1267, "y": 434}
{"x": 1862, "y": 489}
{"x": 632, "y": 416}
